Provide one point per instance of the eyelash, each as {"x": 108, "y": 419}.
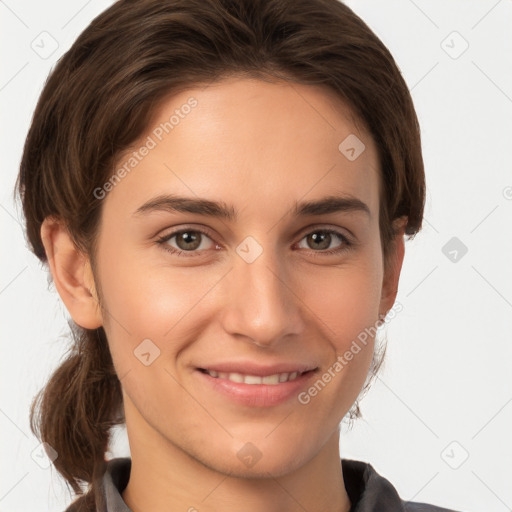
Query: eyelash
{"x": 347, "y": 244}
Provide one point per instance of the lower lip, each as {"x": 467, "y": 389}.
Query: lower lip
{"x": 257, "y": 395}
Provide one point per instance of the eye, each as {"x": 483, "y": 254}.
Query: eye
{"x": 186, "y": 241}
{"x": 321, "y": 239}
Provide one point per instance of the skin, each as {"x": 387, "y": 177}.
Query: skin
{"x": 259, "y": 147}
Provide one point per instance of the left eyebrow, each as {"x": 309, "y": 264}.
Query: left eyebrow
{"x": 331, "y": 204}
{"x": 323, "y": 206}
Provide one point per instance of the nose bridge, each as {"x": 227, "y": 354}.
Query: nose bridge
{"x": 261, "y": 304}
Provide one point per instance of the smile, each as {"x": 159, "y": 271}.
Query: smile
{"x": 255, "y": 390}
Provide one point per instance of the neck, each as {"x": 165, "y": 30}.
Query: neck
{"x": 175, "y": 480}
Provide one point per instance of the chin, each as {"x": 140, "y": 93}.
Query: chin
{"x": 262, "y": 469}
{"x": 261, "y": 459}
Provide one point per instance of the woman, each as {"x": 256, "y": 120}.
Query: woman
{"x": 221, "y": 191}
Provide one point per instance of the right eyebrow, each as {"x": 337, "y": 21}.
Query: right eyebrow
{"x": 173, "y": 203}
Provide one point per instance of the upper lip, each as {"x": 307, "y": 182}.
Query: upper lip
{"x": 251, "y": 368}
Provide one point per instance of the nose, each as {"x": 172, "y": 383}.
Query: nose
{"x": 262, "y": 301}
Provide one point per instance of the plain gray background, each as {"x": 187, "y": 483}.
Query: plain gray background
{"x": 437, "y": 421}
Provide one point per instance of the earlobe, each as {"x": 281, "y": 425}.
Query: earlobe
{"x": 71, "y": 273}
{"x": 394, "y": 267}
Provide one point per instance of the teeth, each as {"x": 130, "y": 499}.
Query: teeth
{"x": 254, "y": 379}
{"x": 270, "y": 379}
{"x": 248, "y": 379}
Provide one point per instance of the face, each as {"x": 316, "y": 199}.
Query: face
{"x": 272, "y": 281}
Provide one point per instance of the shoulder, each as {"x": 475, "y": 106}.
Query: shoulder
{"x": 371, "y": 492}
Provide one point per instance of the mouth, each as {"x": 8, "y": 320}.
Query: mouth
{"x": 242, "y": 378}
{"x": 255, "y": 390}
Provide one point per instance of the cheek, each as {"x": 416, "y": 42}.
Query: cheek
{"x": 158, "y": 303}
{"x": 347, "y": 300}
{"x": 346, "y": 306}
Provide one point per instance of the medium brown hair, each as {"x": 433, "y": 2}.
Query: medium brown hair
{"x": 98, "y": 101}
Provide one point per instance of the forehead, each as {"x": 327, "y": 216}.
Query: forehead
{"x": 252, "y": 142}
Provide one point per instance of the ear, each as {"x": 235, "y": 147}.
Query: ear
{"x": 72, "y": 274}
{"x": 393, "y": 268}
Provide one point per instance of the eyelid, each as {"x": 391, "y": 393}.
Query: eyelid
{"x": 329, "y": 228}
{"x": 189, "y": 227}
